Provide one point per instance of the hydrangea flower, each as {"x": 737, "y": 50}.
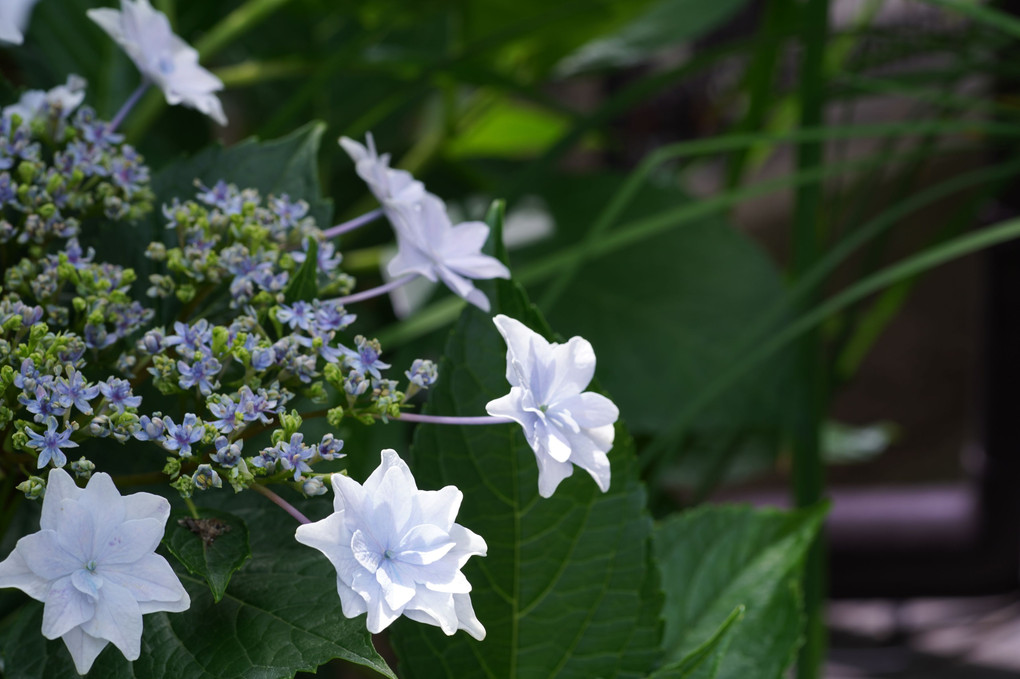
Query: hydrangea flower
{"x": 63, "y": 99}
{"x": 161, "y": 56}
{"x": 389, "y": 186}
{"x": 50, "y": 443}
{"x": 563, "y": 424}
{"x": 93, "y": 565}
{"x": 430, "y": 245}
{"x": 397, "y": 550}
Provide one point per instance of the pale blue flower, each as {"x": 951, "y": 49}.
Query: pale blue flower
{"x": 179, "y": 437}
{"x": 563, "y": 424}
{"x": 431, "y": 246}
{"x": 397, "y": 550}
{"x": 49, "y": 444}
{"x": 93, "y": 565}
{"x": 162, "y": 57}
{"x": 366, "y": 358}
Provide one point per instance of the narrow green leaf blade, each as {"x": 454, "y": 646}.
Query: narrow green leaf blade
{"x": 714, "y": 559}
{"x": 212, "y": 547}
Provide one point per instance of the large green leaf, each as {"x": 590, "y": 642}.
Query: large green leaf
{"x": 286, "y": 165}
{"x": 714, "y": 559}
{"x": 667, "y": 316}
{"x": 566, "y": 588}
{"x": 280, "y": 614}
{"x": 703, "y": 662}
{"x": 212, "y": 546}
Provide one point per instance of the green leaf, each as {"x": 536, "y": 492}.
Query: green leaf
{"x": 678, "y": 303}
{"x": 304, "y": 285}
{"x": 280, "y": 614}
{"x": 286, "y": 165}
{"x": 703, "y": 662}
{"x": 714, "y": 559}
{"x": 567, "y": 588}
{"x": 212, "y": 547}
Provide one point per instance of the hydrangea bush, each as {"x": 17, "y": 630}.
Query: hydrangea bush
{"x": 205, "y": 345}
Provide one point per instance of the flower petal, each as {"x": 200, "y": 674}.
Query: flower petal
{"x": 84, "y": 648}
{"x": 65, "y": 608}
{"x": 14, "y": 572}
{"x": 117, "y": 619}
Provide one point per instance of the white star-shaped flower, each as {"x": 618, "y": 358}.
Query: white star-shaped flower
{"x": 430, "y": 245}
{"x": 161, "y": 56}
{"x": 397, "y": 550}
{"x": 14, "y": 19}
{"x": 93, "y": 565}
{"x": 563, "y": 424}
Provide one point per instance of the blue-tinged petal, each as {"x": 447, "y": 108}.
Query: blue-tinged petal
{"x": 14, "y": 572}
{"x": 48, "y": 556}
{"x": 84, "y": 648}
{"x": 66, "y": 608}
{"x": 149, "y": 579}
{"x": 439, "y": 507}
{"x": 117, "y": 618}
{"x": 59, "y": 486}
{"x": 423, "y": 545}
{"x": 551, "y": 473}
{"x": 130, "y": 541}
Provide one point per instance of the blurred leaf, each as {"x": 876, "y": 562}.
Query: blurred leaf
{"x": 714, "y": 559}
{"x": 665, "y": 23}
{"x": 509, "y": 129}
{"x": 213, "y": 546}
{"x": 845, "y": 444}
{"x": 280, "y": 614}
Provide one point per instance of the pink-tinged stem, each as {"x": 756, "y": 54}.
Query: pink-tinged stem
{"x": 128, "y": 105}
{"x": 447, "y": 419}
{"x": 339, "y": 229}
{"x": 376, "y": 291}
{"x": 280, "y": 502}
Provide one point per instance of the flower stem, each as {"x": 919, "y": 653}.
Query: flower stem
{"x": 345, "y": 227}
{"x": 376, "y": 291}
{"x": 128, "y": 105}
{"x": 449, "y": 419}
{"x": 280, "y": 502}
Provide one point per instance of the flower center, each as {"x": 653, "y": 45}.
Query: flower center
{"x": 165, "y": 65}
{"x": 388, "y": 555}
{"x": 91, "y": 566}
{"x": 544, "y": 408}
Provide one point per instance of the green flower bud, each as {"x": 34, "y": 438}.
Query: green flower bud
{"x": 33, "y": 488}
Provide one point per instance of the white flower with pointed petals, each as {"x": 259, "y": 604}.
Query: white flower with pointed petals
{"x": 14, "y": 19}
{"x": 397, "y": 550}
{"x": 161, "y": 56}
{"x": 93, "y": 565}
{"x": 563, "y": 424}
{"x": 430, "y": 245}
{"x": 389, "y": 186}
